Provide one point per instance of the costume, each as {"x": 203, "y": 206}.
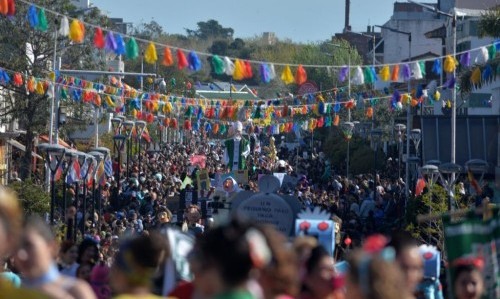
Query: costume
{"x": 430, "y": 287}
{"x": 236, "y": 150}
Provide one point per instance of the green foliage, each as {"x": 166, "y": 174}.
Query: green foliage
{"x": 33, "y": 197}
{"x": 362, "y": 157}
{"x": 434, "y": 200}
{"x": 210, "y": 29}
{"x": 489, "y": 25}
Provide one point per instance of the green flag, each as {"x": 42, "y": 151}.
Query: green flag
{"x": 474, "y": 237}
{"x": 187, "y": 181}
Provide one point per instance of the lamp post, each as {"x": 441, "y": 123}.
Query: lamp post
{"x": 54, "y": 157}
{"x": 90, "y": 170}
{"x": 118, "y": 143}
{"x": 70, "y": 156}
{"x": 347, "y": 128}
{"x": 453, "y": 18}
{"x": 416, "y": 137}
{"x": 161, "y": 119}
{"x": 140, "y": 126}
{"x": 105, "y": 152}
{"x": 116, "y": 124}
{"x": 447, "y": 173}
{"x": 376, "y": 135}
{"x": 128, "y": 126}
{"x": 83, "y": 162}
{"x": 408, "y": 109}
{"x": 99, "y": 159}
{"x": 400, "y": 129}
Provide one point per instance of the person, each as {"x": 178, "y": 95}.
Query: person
{"x": 374, "y": 276}
{"x": 87, "y": 252}
{"x": 408, "y": 258}
{"x": 99, "y": 281}
{"x": 468, "y": 280}
{"x": 320, "y": 281}
{"x": 132, "y": 271}
{"x": 10, "y": 230}
{"x": 38, "y": 268}
{"x": 68, "y": 254}
{"x": 225, "y": 257}
{"x": 192, "y": 221}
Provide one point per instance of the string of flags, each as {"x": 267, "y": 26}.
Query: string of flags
{"x": 241, "y": 69}
{"x": 310, "y": 111}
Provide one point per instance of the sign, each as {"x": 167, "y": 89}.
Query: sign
{"x": 267, "y": 206}
{"x": 203, "y": 181}
{"x": 317, "y": 223}
{"x": 177, "y": 266}
{"x": 471, "y": 238}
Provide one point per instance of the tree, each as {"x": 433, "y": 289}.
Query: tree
{"x": 489, "y": 25}
{"x": 30, "y": 52}
{"x": 210, "y": 29}
{"x": 34, "y": 199}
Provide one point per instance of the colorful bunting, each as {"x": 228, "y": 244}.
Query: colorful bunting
{"x": 150, "y": 55}
{"x": 42, "y": 21}
{"x": 194, "y": 61}
{"x": 132, "y": 49}
{"x": 300, "y": 75}
{"x": 239, "y": 70}
{"x": 76, "y": 31}
{"x": 287, "y": 76}
{"x": 64, "y": 27}
{"x": 449, "y": 64}
{"x": 168, "y": 60}
{"x": 217, "y": 65}
{"x": 181, "y": 60}
{"x": 99, "y": 41}
{"x": 385, "y": 73}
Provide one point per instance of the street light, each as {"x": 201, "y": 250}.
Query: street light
{"x": 376, "y": 135}
{"x": 70, "y": 157}
{"x": 347, "y": 128}
{"x": 99, "y": 157}
{"x": 416, "y": 137}
{"x": 447, "y": 173}
{"x": 432, "y": 173}
{"x": 140, "y": 126}
{"x": 116, "y": 123}
{"x": 129, "y": 127}
{"x": 161, "y": 120}
{"x": 400, "y": 128}
{"x": 118, "y": 143}
{"x": 54, "y": 157}
{"x": 408, "y": 109}
{"x": 453, "y": 18}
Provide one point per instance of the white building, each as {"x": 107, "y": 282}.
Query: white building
{"x": 409, "y": 17}
{"x": 81, "y": 4}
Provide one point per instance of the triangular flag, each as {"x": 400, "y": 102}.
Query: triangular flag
{"x": 64, "y": 27}
{"x": 150, "y": 54}
{"x": 300, "y": 75}
{"x": 228, "y": 66}
{"x": 132, "y": 49}
{"x": 181, "y": 60}
{"x": 287, "y": 76}
{"x": 167, "y": 57}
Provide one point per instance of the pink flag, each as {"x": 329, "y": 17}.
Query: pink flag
{"x": 198, "y": 160}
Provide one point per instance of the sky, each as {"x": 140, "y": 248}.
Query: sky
{"x": 300, "y": 21}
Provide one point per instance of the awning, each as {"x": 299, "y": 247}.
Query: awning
{"x": 22, "y": 147}
{"x": 45, "y": 138}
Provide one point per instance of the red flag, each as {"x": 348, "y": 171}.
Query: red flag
{"x": 198, "y": 160}
{"x": 419, "y": 188}
{"x": 474, "y": 183}
{"x": 58, "y": 174}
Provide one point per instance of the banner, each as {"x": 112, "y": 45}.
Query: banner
{"x": 477, "y": 238}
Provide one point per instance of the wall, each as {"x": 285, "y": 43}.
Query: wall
{"x": 396, "y": 44}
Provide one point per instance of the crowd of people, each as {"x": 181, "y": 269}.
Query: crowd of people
{"x": 117, "y": 247}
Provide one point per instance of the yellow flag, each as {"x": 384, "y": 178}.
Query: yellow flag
{"x": 287, "y": 76}
{"x": 150, "y": 55}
